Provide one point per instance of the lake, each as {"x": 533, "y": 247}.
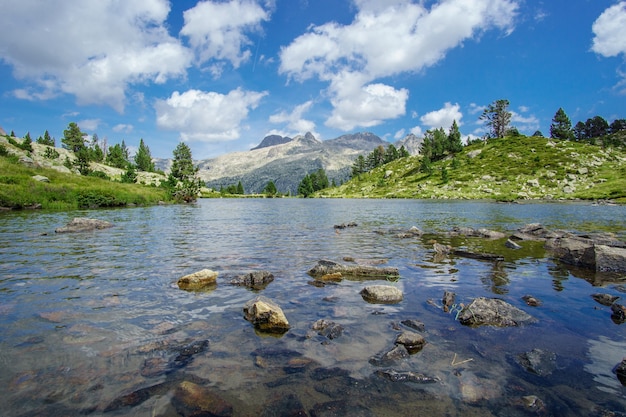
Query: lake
{"x": 95, "y": 324}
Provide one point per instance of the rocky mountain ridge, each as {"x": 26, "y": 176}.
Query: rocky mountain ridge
{"x": 285, "y": 161}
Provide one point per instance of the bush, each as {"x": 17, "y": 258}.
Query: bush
{"x": 99, "y": 174}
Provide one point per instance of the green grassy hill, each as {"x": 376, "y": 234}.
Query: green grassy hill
{"x": 501, "y": 169}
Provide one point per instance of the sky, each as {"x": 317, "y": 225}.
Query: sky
{"x": 222, "y": 75}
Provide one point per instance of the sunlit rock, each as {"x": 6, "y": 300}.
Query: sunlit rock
{"x": 83, "y": 224}
{"x": 493, "y": 312}
{"x": 198, "y": 280}
{"x": 384, "y": 294}
{"x": 265, "y": 315}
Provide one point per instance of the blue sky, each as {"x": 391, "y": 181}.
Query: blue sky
{"x": 221, "y": 75}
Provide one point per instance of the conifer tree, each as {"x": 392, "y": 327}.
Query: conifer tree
{"x": 497, "y": 118}
{"x": 455, "y": 145}
{"x": 143, "y": 159}
{"x": 561, "y": 127}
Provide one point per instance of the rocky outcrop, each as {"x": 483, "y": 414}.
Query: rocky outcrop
{"x": 83, "y": 224}
{"x": 493, "y": 312}
{"x": 265, "y": 315}
{"x": 601, "y": 253}
{"x": 198, "y": 280}
{"x": 325, "y": 267}
{"x": 256, "y": 280}
{"x": 382, "y": 294}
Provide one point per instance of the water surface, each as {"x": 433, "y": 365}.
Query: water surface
{"x": 90, "y": 318}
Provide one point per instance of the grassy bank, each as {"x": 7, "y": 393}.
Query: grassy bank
{"x": 501, "y": 169}
{"x": 18, "y": 189}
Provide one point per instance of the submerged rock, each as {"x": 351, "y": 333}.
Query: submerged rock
{"x": 83, "y": 224}
{"x": 618, "y": 313}
{"x": 620, "y": 371}
{"x": 531, "y": 301}
{"x": 605, "y": 299}
{"x": 414, "y": 324}
{"x": 198, "y": 280}
{"x": 537, "y": 361}
{"x": 413, "y": 342}
{"x": 328, "y": 328}
{"x": 384, "y": 294}
{"x": 265, "y": 315}
{"x": 448, "y": 300}
{"x": 193, "y": 400}
{"x": 398, "y": 352}
{"x": 479, "y": 256}
{"x": 325, "y": 267}
{"x": 493, "y": 312}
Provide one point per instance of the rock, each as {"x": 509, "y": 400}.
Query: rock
{"x": 532, "y": 231}
{"x": 610, "y": 259}
{"x": 193, "y": 400}
{"x": 384, "y": 294}
{"x": 414, "y": 324}
{"x": 41, "y": 178}
{"x": 531, "y": 301}
{"x": 412, "y": 232}
{"x": 328, "y": 328}
{"x": 482, "y": 232}
{"x": 198, "y": 280}
{"x": 533, "y": 403}
{"x": 265, "y": 315}
{"x": 344, "y": 225}
{"x": 538, "y": 361}
{"x": 605, "y": 299}
{"x": 325, "y": 267}
{"x": 583, "y": 171}
{"x": 441, "y": 249}
{"x": 340, "y": 408}
{"x": 413, "y": 342}
{"x": 493, "y": 312}
{"x": 405, "y": 376}
{"x": 334, "y": 277}
{"x": 83, "y": 224}
{"x": 448, "y": 300}
{"x": 573, "y": 251}
{"x": 618, "y": 313}
{"x": 398, "y": 352}
{"x": 479, "y": 256}
{"x": 388, "y": 173}
{"x": 620, "y": 371}
{"x": 28, "y": 162}
{"x": 287, "y": 405}
{"x": 512, "y": 245}
{"x": 256, "y": 280}
{"x": 533, "y": 183}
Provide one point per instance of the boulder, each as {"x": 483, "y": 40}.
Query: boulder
{"x": 413, "y": 342}
{"x": 610, "y": 259}
{"x": 573, "y": 251}
{"x": 448, "y": 300}
{"x": 265, "y": 315}
{"x": 83, "y": 224}
{"x": 605, "y": 299}
{"x": 198, "y": 280}
{"x": 493, "y": 312}
{"x": 620, "y": 371}
{"x": 383, "y": 294}
{"x": 41, "y": 178}
{"x": 411, "y": 232}
{"x": 325, "y": 267}
{"x": 256, "y": 280}
{"x": 531, "y": 301}
{"x": 531, "y": 231}
{"x": 193, "y": 400}
{"x": 471, "y": 232}
{"x": 512, "y": 245}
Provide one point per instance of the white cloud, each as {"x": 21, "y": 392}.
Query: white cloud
{"x": 527, "y": 124}
{"x": 417, "y": 131}
{"x": 475, "y": 108}
{"x": 384, "y": 39}
{"x": 92, "y": 49}
{"x": 443, "y": 117}
{"x": 399, "y": 134}
{"x": 369, "y": 106}
{"x": 294, "y": 120}
{"x": 216, "y": 30}
{"x": 610, "y": 31}
{"x": 89, "y": 125}
{"x": 206, "y": 116}
{"x": 123, "y": 128}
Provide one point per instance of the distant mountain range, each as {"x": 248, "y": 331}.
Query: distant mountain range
{"x": 285, "y": 161}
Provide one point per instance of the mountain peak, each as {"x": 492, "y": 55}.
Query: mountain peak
{"x": 272, "y": 140}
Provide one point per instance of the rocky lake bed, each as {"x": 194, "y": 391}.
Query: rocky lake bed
{"x": 346, "y": 308}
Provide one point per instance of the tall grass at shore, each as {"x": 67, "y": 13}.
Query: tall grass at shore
{"x": 18, "y": 189}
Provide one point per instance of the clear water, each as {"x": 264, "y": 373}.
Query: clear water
{"x": 87, "y": 319}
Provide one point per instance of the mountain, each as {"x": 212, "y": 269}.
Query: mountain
{"x": 286, "y": 161}
{"x": 272, "y": 140}
{"x": 411, "y": 143}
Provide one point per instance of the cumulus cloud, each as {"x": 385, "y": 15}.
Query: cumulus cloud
{"x": 92, "y": 49}
{"x": 217, "y": 30}
{"x": 523, "y": 123}
{"x": 294, "y": 120}
{"x": 384, "y": 39}
{"x": 417, "y": 131}
{"x": 443, "y": 117}
{"x": 610, "y": 31}
{"x": 206, "y": 116}
{"x": 123, "y": 128}
{"x": 89, "y": 125}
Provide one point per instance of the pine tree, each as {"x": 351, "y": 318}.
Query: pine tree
{"x": 455, "y": 145}
{"x": 183, "y": 182}
{"x": 143, "y": 159}
{"x": 497, "y": 118}
{"x": 73, "y": 138}
{"x": 561, "y": 127}
{"x": 270, "y": 189}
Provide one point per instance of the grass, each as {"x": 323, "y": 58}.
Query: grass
{"x": 504, "y": 170}
{"x": 19, "y": 190}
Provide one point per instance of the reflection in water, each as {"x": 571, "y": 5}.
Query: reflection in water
{"x": 95, "y": 324}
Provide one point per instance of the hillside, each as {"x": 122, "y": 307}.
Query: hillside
{"x": 501, "y": 169}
